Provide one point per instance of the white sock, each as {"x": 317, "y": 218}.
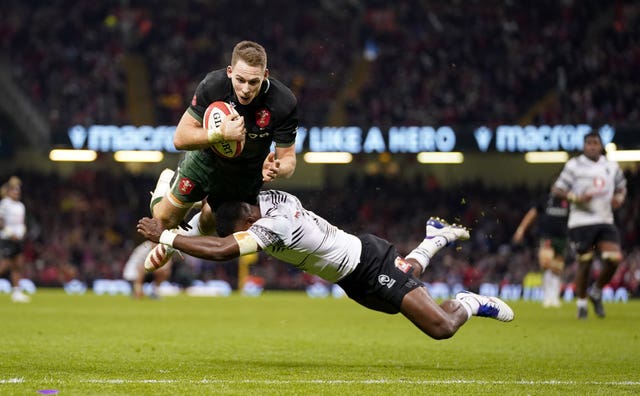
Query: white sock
{"x": 195, "y": 226}
{"x": 581, "y": 303}
{"x": 547, "y": 287}
{"x": 556, "y": 286}
{"x": 427, "y": 249}
{"x": 471, "y": 305}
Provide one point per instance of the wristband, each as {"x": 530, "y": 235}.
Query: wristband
{"x": 246, "y": 243}
{"x": 214, "y": 136}
{"x": 167, "y": 237}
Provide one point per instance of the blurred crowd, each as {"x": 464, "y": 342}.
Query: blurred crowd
{"x": 426, "y": 63}
{"x": 83, "y": 227}
{"x": 502, "y": 62}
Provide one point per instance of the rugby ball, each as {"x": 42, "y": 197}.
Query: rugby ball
{"x": 212, "y": 120}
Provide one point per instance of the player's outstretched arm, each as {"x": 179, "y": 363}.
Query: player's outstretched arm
{"x": 524, "y": 225}
{"x": 205, "y": 247}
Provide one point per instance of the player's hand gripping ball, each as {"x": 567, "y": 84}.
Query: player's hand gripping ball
{"x": 212, "y": 122}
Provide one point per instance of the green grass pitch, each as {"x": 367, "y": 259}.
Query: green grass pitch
{"x": 284, "y": 343}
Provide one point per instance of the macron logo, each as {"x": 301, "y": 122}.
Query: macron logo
{"x": 483, "y": 137}
{"x": 78, "y": 136}
{"x": 385, "y": 280}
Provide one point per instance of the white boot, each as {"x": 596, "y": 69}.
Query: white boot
{"x": 18, "y": 296}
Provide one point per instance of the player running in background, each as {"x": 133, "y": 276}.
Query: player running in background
{"x": 552, "y": 213}
{"x": 135, "y": 273}
{"x": 267, "y": 113}
{"x": 594, "y": 186}
{"x": 368, "y": 268}
{"x": 13, "y": 229}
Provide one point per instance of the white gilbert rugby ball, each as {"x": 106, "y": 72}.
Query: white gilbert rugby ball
{"x": 212, "y": 120}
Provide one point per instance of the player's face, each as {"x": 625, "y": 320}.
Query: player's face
{"x": 246, "y": 80}
{"x": 14, "y": 193}
{"x": 592, "y": 148}
{"x": 249, "y": 215}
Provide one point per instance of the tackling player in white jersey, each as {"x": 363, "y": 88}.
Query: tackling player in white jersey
{"x": 368, "y": 268}
{"x": 595, "y": 187}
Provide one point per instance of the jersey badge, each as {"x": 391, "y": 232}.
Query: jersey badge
{"x": 598, "y": 183}
{"x": 263, "y": 117}
{"x": 185, "y": 185}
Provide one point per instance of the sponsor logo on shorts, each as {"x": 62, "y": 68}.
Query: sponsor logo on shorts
{"x": 256, "y": 135}
{"x": 385, "y": 280}
{"x": 185, "y": 185}
{"x": 402, "y": 265}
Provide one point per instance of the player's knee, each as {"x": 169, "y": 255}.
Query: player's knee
{"x": 557, "y": 265}
{"x": 612, "y": 257}
{"x": 176, "y": 202}
{"x": 545, "y": 255}
{"x": 444, "y": 330}
{"x": 169, "y": 215}
{"x": 443, "y": 326}
{"x": 585, "y": 258}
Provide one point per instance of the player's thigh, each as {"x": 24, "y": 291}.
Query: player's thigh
{"x": 609, "y": 247}
{"x": 377, "y": 282}
{"x": 193, "y": 179}
{"x": 583, "y": 238}
{"x": 545, "y": 253}
{"x": 608, "y": 239}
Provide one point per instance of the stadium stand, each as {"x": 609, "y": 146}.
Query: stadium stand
{"x": 85, "y": 230}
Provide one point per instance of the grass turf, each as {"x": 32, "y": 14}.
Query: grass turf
{"x": 287, "y": 343}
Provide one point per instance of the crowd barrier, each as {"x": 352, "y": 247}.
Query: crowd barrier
{"x": 220, "y": 288}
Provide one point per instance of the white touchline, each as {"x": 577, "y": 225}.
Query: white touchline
{"x": 12, "y": 381}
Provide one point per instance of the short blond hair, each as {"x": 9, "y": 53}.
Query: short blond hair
{"x": 252, "y": 53}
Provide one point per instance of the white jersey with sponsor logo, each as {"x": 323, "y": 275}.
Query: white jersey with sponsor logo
{"x": 297, "y": 236}
{"x": 601, "y": 178}
{"x": 13, "y": 215}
